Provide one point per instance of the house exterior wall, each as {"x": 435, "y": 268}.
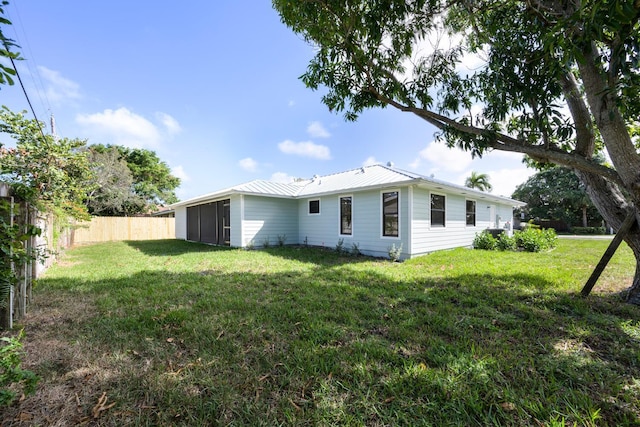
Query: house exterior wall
{"x": 267, "y": 218}
{"x": 181, "y": 222}
{"x": 254, "y": 219}
{"x": 456, "y": 233}
{"x": 323, "y": 229}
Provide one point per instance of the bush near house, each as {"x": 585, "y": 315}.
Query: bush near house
{"x": 529, "y": 240}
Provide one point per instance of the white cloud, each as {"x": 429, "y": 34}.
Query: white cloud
{"x": 370, "y": 161}
{"x": 178, "y": 172}
{"x": 171, "y": 125}
{"x": 505, "y": 181}
{"x": 444, "y": 158}
{"x": 59, "y": 88}
{"x": 305, "y": 149}
{"x": 282, "y": 178}
{"x": 124, "y": 127}
{"x": 316, "y": 130}
{"x": 291, "y": 103}
{"x": 248, "y": 164}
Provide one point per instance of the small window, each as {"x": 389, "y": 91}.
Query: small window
{"x": 314, "y": 207}
{"x": 471, "y": 213}
{"x": 345, "y": 215}
{"x": 390, "y": 216}
{"x": 437, "y": 210}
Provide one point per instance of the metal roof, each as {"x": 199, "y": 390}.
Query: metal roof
{"x": 367, "y": 177}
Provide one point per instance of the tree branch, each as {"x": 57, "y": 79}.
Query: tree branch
{"x": 504, "y": 142}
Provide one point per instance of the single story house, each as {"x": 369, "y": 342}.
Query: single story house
{"x": 374, "y": 207}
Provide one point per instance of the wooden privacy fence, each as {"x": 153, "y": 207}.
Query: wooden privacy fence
{"x": 106, "y": 229}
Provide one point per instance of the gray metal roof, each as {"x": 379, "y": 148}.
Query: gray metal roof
{"x": 367, "y": 177}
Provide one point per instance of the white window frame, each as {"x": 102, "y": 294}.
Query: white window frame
{"x": 309, "y": 207}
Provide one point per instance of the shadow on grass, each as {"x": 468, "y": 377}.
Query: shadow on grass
{"x": 353, "y": 346}
{"x": 321, "y": 256}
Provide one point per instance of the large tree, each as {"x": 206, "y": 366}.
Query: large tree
{"x": 559, "y": 81}
{"x": 557, "y": 193}
{"x": 147, "y": 183}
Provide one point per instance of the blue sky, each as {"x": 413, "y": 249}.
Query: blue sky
{"x": 213, "y": 88}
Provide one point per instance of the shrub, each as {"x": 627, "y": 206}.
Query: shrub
{"x": 506, "y": 242}
{"x": 355, "y": 249}
{"x": 340, "y": 246}
{"x": 588, "y": 230}
{"x": 12, "y": 376}
{"x": 395, "y": 252}
{"x": 282, "y": 238}
{"x": 266, "y": 243}
{"x": 485, "y": 240}
{"x": 536, "y": 240}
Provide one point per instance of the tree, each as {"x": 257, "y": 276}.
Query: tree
{"x": 52, "y": 174}
{"x": 112, "y": 194}
{"x": 582, "y": 55}
{"x": 557, "y": 193}
{"x": 48, "y": 174}
{"x": 152, "y": 183}
{"x": 479, "y": 181}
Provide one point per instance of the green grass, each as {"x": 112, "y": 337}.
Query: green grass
{"x": 185, "y": 334}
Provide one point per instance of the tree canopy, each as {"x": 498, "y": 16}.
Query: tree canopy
{"x": 557, "y": 193}
{"x": 557, "y": 81}
{"x": 133, "y": 181}
{"x": 479, "y": 181}
{"x": 53, "y": 174}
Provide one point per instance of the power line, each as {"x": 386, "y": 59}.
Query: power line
{"x": 23, "y": 41}
{"x": 13, "y": 64}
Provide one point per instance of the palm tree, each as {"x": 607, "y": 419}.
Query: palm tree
{"x": 479, "y": 181}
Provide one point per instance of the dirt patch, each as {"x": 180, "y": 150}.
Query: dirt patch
{"x": 72, "y": 375}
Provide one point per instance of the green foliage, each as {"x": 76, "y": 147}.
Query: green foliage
{"x": 529, "y": 240}
{"x": 478, "y": 181}
{"x": 506, "y": 242}
{"x": 282, "y": 238}
{"x": 6, "y": 44}
{"x": 533, "y": 240}
{"x": 485, "y": 240}
{"x": 12, "y": 376}
{"x": 12, "y": 250}
{"x": 151, "y": 182}
{"x": 588, "y": 230}
{"x": 557, "y": 193}
{"x": 340, "y": 246}
{"x": 355, "y": 249}
{"x": 112, "y": 194}
{"x": 48, "y": 173}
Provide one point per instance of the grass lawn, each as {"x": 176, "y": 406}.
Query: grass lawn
{"x": 176, "y": 333}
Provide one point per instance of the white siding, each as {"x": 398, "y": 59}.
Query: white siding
{"x": 267, "y": 218}
{"x": 181, "y": 222}
{"x": 235, "y": 220}
{"x": 324, "y": 229}
{"x": 455, "y": 233}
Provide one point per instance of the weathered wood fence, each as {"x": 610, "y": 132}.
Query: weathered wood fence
{"x": 106, "y": 229}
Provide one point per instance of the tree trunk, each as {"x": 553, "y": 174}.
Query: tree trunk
{"x": 613, "y": 207}
{"x": 585, "y": 223}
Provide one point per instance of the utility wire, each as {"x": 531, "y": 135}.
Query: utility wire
{"x": 13, "y": 64}
{"x": 23, "y": 41}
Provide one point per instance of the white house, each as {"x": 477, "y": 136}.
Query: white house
{"x": 374, "y": 207}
